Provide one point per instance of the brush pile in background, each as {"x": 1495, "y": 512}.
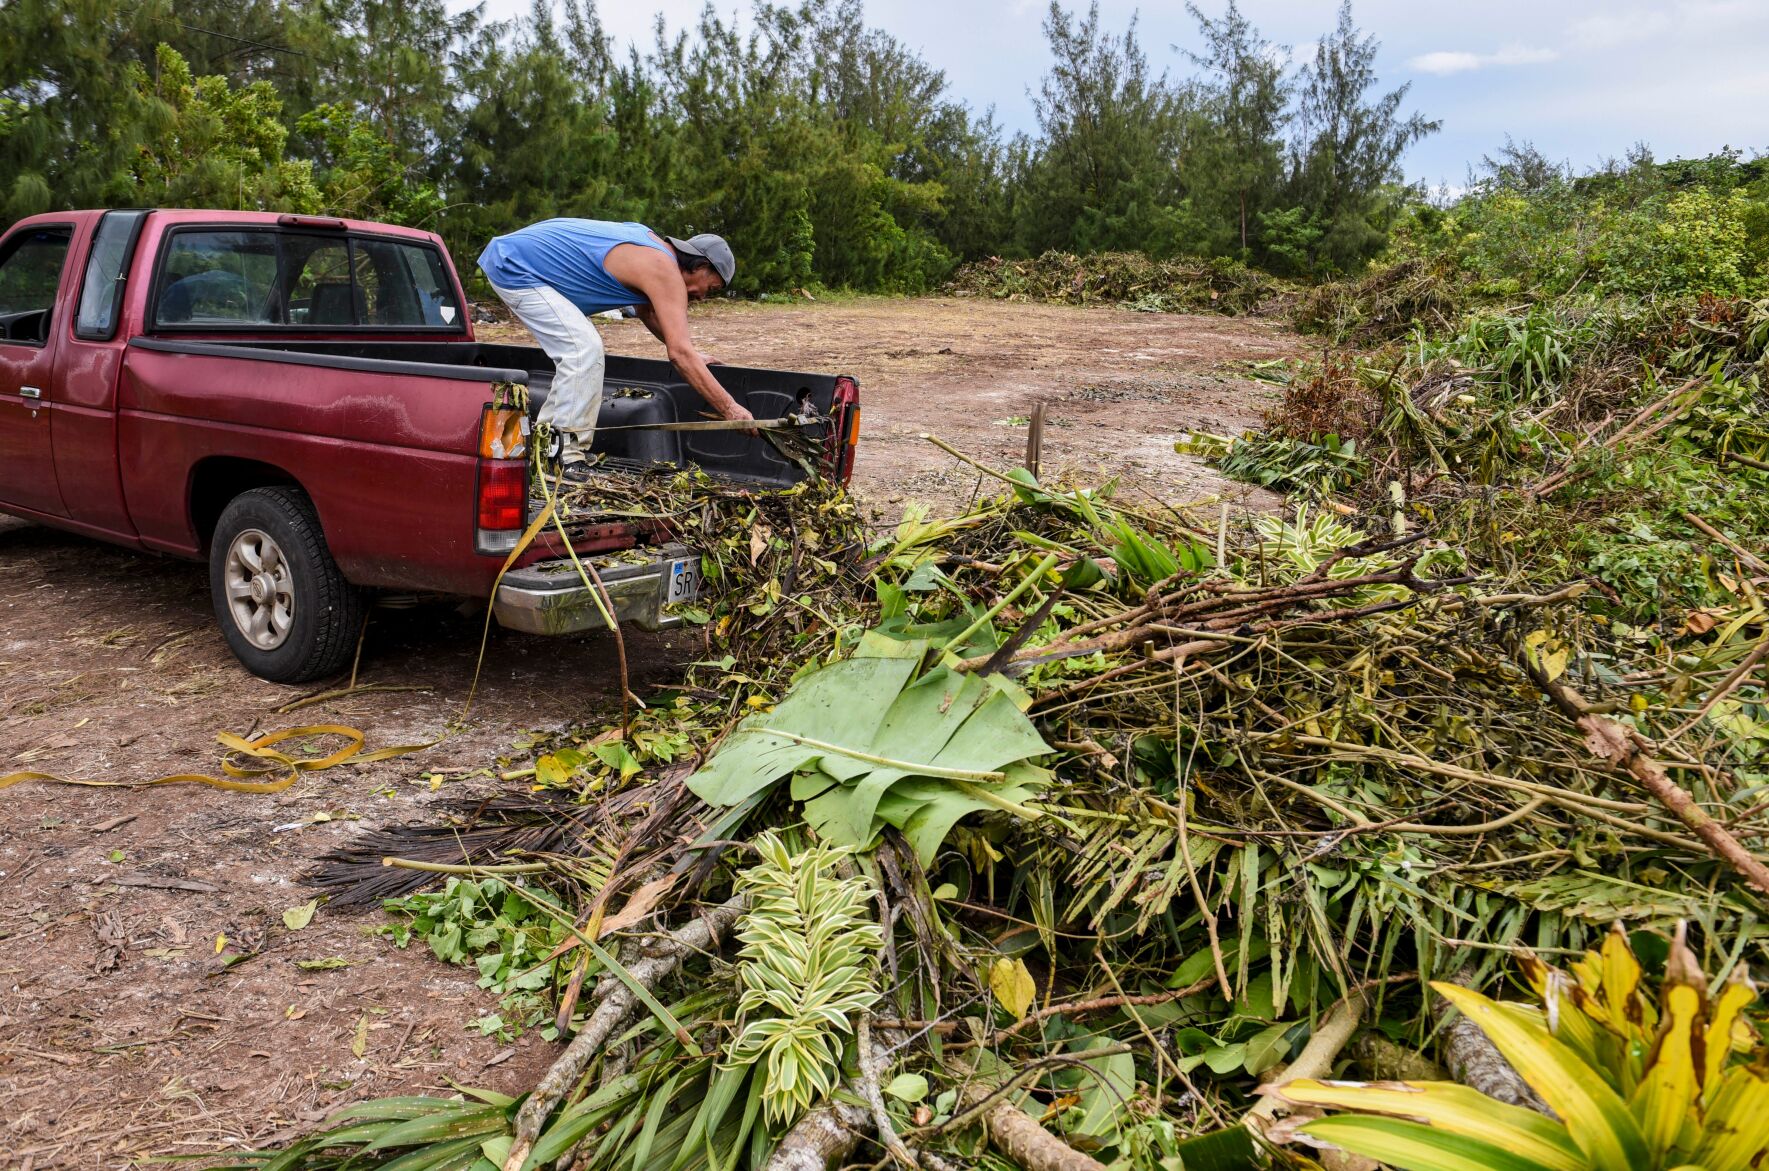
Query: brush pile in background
{"x": 1182, "y": 284}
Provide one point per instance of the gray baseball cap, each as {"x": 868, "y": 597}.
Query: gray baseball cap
{"x": 713, "y": 248}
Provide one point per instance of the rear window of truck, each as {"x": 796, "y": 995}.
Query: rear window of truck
{"x": 264, "y": 279}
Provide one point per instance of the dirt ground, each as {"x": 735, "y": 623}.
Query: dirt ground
{"x": 124, "y": 1035}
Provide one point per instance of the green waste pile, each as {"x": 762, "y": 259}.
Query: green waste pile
{"x": 1044, "y": 834}
{"x": 1183, "y": 284}
{"x": 1074, "y": 831}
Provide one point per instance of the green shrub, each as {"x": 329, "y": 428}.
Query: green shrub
{"x": 1690, "y": 242}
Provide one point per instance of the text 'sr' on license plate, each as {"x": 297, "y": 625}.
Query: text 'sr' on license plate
{"x": 684, "y": 580}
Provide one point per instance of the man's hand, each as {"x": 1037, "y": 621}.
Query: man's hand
{"x": 737, "y": 412}
{"x": 710, "y": 361}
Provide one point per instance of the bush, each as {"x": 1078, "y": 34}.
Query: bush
{"x": 1691, "y": 242}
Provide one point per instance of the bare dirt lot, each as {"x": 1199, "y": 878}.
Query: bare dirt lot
{"x": 123, "y": 1034}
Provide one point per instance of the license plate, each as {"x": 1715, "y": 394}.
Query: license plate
{"x": 684, "y": 580}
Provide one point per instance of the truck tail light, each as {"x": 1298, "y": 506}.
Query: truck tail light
{"x": 503, "y": 433}
{"x": 501, "y": 502}
{"x": 503, "y": 494}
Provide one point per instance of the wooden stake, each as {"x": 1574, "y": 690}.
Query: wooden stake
{"x": 1035, "y": 440}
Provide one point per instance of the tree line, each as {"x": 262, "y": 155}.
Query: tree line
{"x": 826, "y": 150}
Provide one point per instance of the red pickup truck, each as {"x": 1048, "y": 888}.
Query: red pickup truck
{"x": 300, "y": 402}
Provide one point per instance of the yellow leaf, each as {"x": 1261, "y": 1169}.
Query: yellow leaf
{"x": 1554, "y": 663}
{"x": 1737, "y": 1122}
{"x": 359, "y": 1044}
{"x": 1731, "y": 1002}
{"x": 220, "y": 942}
{"x": 1452, "y": 1108}
{"x": 1621, "y": 979}
{"x": 1399, "y": 1142}
{"x": 1013, "y": 986}
{"x": 1661, "y": 1102}
{"x": 295, "y": 918}
{"x": 1596, "y": 1117}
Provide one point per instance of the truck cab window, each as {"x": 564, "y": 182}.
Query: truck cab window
{"x": 102, "y": 289}
{"x": 217, "y": 278}
{"x": 30, "y": 270}
{"x": 322, "y": 293}
{"x": 404, "y": 285}
{"x": 303, "y": 280}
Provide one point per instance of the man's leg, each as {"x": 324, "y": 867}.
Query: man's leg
{"x": 578, "y": 358}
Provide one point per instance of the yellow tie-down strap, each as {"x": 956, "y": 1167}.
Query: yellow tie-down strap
{"x": 260, "y": 749}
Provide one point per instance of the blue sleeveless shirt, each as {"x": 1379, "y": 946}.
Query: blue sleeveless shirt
{"x": 567, "y": 255}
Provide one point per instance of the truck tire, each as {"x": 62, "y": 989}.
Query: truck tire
{"x": 284, "y": 608}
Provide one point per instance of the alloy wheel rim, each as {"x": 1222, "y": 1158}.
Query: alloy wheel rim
{"x": 260, "y": 589}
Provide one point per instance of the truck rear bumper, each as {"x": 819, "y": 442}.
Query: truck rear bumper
{"x": 549, "y": 597}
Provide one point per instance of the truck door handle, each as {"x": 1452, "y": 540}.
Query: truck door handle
{"x": 29, "y": 392}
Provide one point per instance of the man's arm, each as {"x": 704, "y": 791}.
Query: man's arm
{"x": 650, "y": 319}
{"x": 648, "y": 271}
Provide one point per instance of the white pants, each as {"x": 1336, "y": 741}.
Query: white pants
{"x": 578, "y": 358}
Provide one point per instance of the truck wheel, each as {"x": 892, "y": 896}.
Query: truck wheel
{"x": 284, "y": 608}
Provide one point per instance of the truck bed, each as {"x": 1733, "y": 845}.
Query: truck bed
{"x": 636, "y": 391}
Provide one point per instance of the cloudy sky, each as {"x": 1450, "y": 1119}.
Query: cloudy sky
{"x": 1583, "y": 79}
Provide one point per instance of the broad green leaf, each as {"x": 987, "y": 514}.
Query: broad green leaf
{"x": 1595, "y": 1116}
{"x": 869, "y": 744}
{"x": 1013, "y": 986}
{"x": 1267, "y": 1047}
{"x": 616, "y": 755}
{"x": 844, "y": 703}
{"x": 1454, "y": 1109}
{"x": 907, "y": 1087}
{"x": 1228, "y": 1149}
{"x": 1105, "y": 1094}
{"x": 1225, "y": 1059}
{"x": 1413, "y": 1146}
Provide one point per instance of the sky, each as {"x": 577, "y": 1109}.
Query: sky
{"x": 1583, "y": 80}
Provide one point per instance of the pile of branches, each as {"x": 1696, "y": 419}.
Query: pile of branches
{"x": 1050, "y": 829}
{"x": 1183, "y": 284}
{"x": 1384, "y": 305}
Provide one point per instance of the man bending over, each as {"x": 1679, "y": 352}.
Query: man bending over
{"x": 554, "y": 273}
